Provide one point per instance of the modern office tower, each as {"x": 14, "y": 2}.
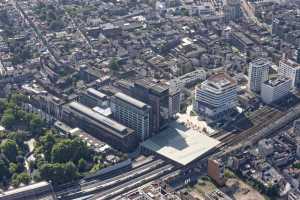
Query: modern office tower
{"x": 216, "y": 96}
{"x": 290, "y": 69}
{"x": 258, "y": 73}
{"x": 132, "y": 113}
{"x": 101, "y": 127}
{"x": 174, "y": 102}
{"x": 275, "y": 89}
{"x": 157, "y": 96}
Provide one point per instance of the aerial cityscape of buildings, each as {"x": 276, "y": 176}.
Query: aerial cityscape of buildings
{"x": 149, "y": 99}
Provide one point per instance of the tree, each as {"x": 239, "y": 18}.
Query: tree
{"x": 18, "y": 98}
{"x": 8, "y": 120}
{"x": 13, "y": 168}
{"x": 71, "y": 171}
{"x": 2, "y": 106}
{"x": 36, "y": 125}
{"x": 47, "y": 141}
{"x": 24, "y": 178}
{"x": 9, "y": 149}
{"x": 19, "y": 137}
{"x": 59, "y": 173}
{"x": 97, "y": 167}
{"x": 4, "y": 171}
{"x": 69, "y": 150}
{"x": 114, "y": 64}
{"x": 82, "y": 165}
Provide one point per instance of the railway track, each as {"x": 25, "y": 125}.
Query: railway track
{"x": 260, "y": 120}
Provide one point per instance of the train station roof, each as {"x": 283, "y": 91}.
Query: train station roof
{"x": 180, "y": 144}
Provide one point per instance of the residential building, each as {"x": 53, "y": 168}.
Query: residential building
{"x": 290, "y": 69}
{"x": 241, "y": 41}
{"x": 132, "y": 113}
{"x": 258, "y": 73}
{"x": 215, "y": 170}
{"x": 216, "y": 96}
{"x": 216, "y": 195}
{"x": 275, "y": 89}
{"x": 102, "y": 127}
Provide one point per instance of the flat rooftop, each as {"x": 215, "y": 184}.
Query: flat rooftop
{"x": 260, "y": 62}
{"x": 180, "y": 144}
{"x": 97, "y": 117}
{"x": 290, "y": 63}
{"x": 220, "y": 81}
{"x": 276, "y": 80}
{"x": 130, "y": 100}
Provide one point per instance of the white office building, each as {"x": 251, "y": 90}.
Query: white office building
{"x": 187, "y": 79}
{"x": 132, "y": 113}
{"x": 216, "y": 95}
{"x": 275, "y": 89}
{"x": 258, "y": 73}
{"x": 290, "y": 69}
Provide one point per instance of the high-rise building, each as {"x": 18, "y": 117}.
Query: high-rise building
{"x": 275, "y": 89}
{"x": 232, "y": 10}
{"x": 290, "y": 69}
{"x": 216, "y": 96}
{"x": 132, "y": 113}
{"x": 258, "y": 73}
{"x": 174, "y": 102}
{"x": 215, "y": 170}
{"x": 156, "y": 96}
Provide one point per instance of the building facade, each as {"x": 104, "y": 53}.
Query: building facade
{"x": 156, "y": 96}
{"x": 216, "y": 96}
{"x": 132, "y": 113}
{"x": 92, "y": 97}
{"x": 187, "y": 79}
{"x": 174, "y": 103}
{"x": 275, "y": 89}
{"x": 258, "y": 73}
{"x": 290, "y": 69}
{"x": 101, "y": 127}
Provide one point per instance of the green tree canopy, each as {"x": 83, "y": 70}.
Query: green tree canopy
{"x": 59, "y": 173}
{"x": 4, "y": 170}
{"x": 8, "y": 119}
{"x": 9, "y": 149}
{"x": 69, "y": 150}
{"x": 114, "y": 64}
